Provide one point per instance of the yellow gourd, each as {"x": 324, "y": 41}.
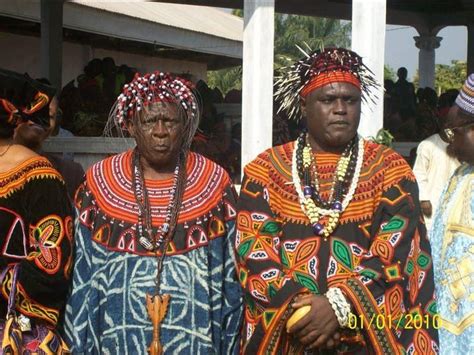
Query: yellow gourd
{"x": 296, "y": 316}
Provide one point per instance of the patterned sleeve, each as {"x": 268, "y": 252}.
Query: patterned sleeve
{"x": 225, "y": 286}
{"x": 43, "y": 279}
{"x": 268, "y": 290}
{"x": 394, "y": 279}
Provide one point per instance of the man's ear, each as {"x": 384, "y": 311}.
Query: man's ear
{"x": 303, "y": 106}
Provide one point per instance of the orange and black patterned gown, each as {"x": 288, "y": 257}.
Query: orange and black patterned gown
{"x": 379, "y": 255}
{"x": 36, "y": 232}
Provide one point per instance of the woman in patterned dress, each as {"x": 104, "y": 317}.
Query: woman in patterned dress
{"x": 155, "y": 227}
{"x": 35, "y": 220}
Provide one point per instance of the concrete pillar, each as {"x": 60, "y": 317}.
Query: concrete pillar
{"x": 257, "y": 78}
{"x": 470, "y": 48}
{"x": 52, "y": 41}
{"x": 368, "y": 40}
{"x": 427, "y": 43}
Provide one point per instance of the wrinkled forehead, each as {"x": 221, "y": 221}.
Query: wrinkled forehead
{"x": 166, "y": 109}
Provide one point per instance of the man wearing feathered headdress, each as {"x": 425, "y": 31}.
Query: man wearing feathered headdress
{"x": 331, "y": 245}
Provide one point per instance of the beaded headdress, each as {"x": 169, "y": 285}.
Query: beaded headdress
{"x": 317, "y": 69}
{"x": 154, "y": 87}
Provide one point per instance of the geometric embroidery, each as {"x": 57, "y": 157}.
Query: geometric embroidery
{"x": 46, "y": 237}
{"x": 216, "y": 227}
{"x": 361, "y": 257}
{"x": 268, "y": 317}
{"x": 393, "y": 273}
{"x": 15, "y": 235}
{"x": 342, "y": 253}
{"x": 396, "y": 223}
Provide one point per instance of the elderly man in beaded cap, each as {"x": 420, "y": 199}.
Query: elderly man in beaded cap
{"x": 453, "y": 233}
{"x": 330, "y": 238}
{"x": 154, "y": 269}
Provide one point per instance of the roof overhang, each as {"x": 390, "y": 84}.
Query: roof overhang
{"x": 417, "y": 13}
{"x": 85, "y": 23}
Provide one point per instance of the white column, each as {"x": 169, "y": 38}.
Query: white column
{"x": 257, "y": 78}
{"x": 368, "y": 40}
{"x": 52, "y": 41}
{"x": 470, "y": 48}
{"x": 427, "y": 43}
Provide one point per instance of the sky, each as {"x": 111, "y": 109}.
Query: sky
{"x": 400, "y": 49}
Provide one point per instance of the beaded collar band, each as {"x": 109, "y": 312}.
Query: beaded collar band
{"x": 317, "y": 69}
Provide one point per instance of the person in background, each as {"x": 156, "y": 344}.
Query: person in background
{"x": 452, "y": 233}
{"x": 57, "y": 130}
{"x": 427, "y": 115}
{"x": 403, "y": 91}
{"x": 446, "y": 101}
{"x": 36, "y": 232}
{"x": 433, "y": 167}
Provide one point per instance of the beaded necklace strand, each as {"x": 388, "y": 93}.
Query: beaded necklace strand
{"x": 144, "y": 224}
{"x": 324, "y": 215}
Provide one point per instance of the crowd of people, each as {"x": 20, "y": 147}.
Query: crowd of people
{"x": 414, "y": 116}
{"x": 85, "y": 103}
{"x": 325, "y": 250}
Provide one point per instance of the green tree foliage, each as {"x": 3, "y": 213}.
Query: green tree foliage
{"x": 306, "y": 32}
{"x": 225, "y": 79}
{"x": 447, "y": 76}
{"x": 389, "y": 73}
{"x": 450, "y": 76}
{"x": 290, "y": 30}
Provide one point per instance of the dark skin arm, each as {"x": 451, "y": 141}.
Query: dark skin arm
{"x": 319, "y": 327}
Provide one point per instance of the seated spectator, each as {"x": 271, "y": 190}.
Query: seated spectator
{"x": 407, "y": 131}
{"x": 426, "y": 114}
{"x": 109, "y": 81}
{"x": 446, "y": 101}
{"x": 234, "y": 153}
{"x": 70, "y": 103}
{"x": 234, "y": 96}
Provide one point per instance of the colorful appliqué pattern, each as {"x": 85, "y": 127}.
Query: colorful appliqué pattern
{"x": 107, "y": 205}
{"x": 378, "y": 255}
{"x": 34, "y": 210}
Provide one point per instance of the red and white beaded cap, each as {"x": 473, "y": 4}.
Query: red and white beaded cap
{"x": 150, "y": 88}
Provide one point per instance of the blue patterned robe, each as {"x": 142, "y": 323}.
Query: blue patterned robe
{"x": 106, "y": 312}
{"x": 453, "y": 257}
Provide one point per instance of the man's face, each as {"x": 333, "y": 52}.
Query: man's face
{"x": 332, "y": 115}
{"x": 462, "y": 143}
{"x": 159, "y": 134}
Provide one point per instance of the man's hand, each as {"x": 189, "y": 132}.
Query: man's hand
{"x": 426, "y": 208}
{"x": 316, "y": 329}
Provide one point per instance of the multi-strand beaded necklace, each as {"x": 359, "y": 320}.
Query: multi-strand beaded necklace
{"x": 324, "y": 214}
{"x": 144, "y": 224}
